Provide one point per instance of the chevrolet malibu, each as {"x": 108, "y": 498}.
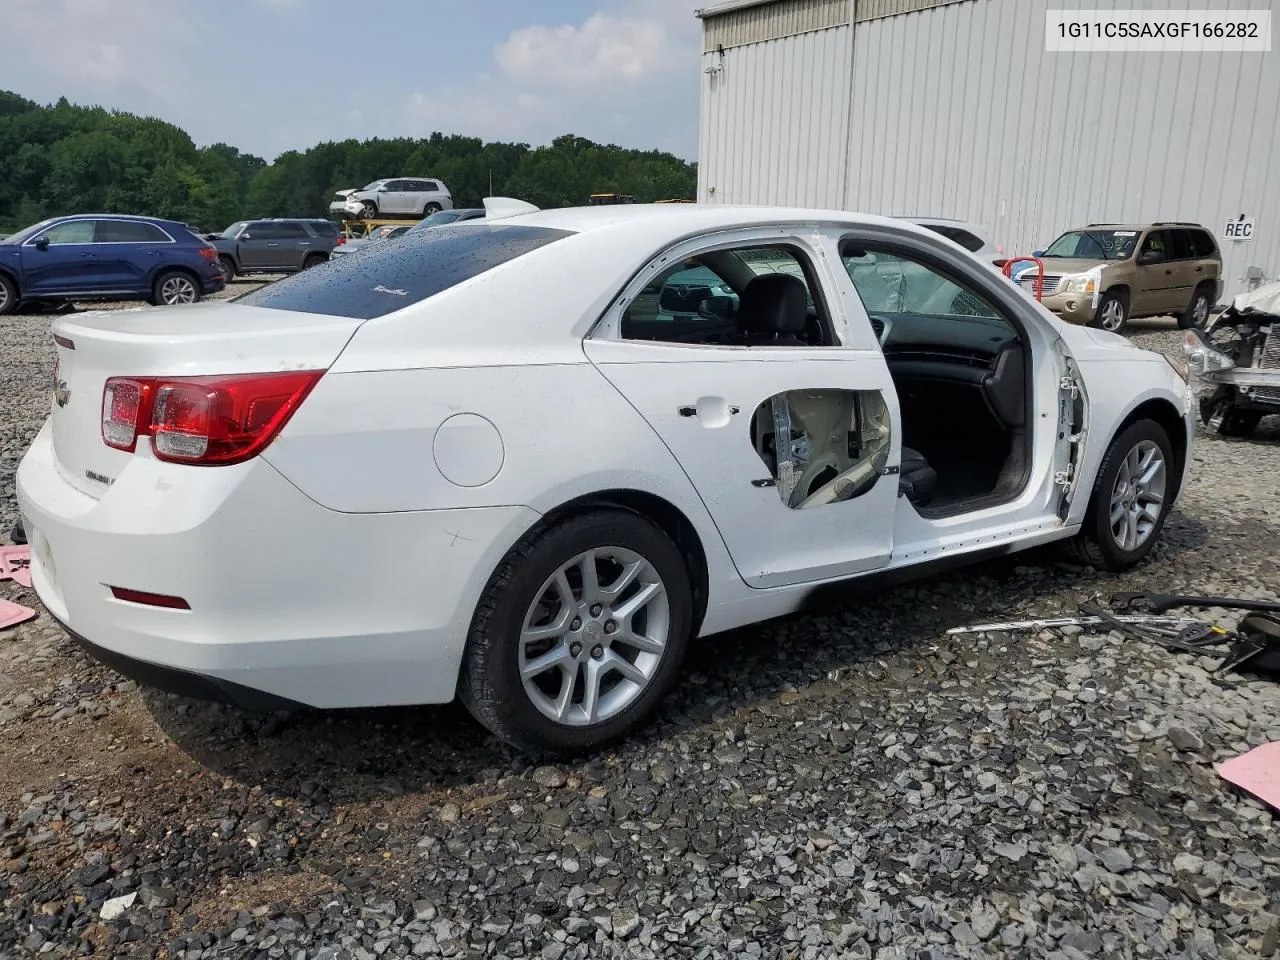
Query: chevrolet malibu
{"x": 485, "y": 462}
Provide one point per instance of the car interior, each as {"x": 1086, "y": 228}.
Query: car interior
{"x": 960, "y": 367}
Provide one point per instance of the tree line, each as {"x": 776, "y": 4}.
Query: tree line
{"x": 65, "y": 159}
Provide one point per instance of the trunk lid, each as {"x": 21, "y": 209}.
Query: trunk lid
{"x": 209, "y": 338}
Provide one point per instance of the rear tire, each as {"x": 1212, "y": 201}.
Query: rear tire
{"x": 586, "y": 634}
{"x": 1121, "y": 501}
{"x": 1112, "y": 313}
{"x": 431, "y": 208}
{"x": 313, "y": 260}
{"x": 173, "y": 288}
{"x": 1197, "y": 312}
{"x": 228, "y": 268}
{"x": 8, "y": 295}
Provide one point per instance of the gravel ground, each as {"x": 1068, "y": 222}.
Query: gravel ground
{"x": 849, "y": 784}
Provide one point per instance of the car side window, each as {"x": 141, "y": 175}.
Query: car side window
{"x": 128, "y": 231}
{"x": 746, "y": 296}
{"x": 1180, "y": 243}
{"x": 262, "y": 230}
{"x": 395, "y": 186}
{"x": 74, "y": 231}
{"x": 1155, "y": 242}
{"x": 291, "y": 231}
{"x": 429, "y": 186}
{"x": 889, "y": 283}
{"x": 1202, "y": 243}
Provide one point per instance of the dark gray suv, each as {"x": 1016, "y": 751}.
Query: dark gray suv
{"x": 274, "y": 246}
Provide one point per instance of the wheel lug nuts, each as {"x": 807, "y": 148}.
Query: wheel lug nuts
{"x": 575, "y": 649}
{"x": 595, "y": 609}
{"x": 597, "y": 652}
{"x": 610, "y": 627}
{"x": 577, "y": 623}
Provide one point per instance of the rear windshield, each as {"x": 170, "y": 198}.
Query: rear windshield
{"x": 391, "y": 276}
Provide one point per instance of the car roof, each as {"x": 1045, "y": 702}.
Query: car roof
{"x": 691, "y": 218}
{"x": 116, "y": 216}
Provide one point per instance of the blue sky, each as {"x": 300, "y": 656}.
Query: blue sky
{"x": 272, "y": 75}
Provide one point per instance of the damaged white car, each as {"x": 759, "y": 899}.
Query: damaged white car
{"x": 501, "y": 460}
{"x": 1235, "y": 362}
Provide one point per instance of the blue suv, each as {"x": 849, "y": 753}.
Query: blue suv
{"x": 107, "y": 257}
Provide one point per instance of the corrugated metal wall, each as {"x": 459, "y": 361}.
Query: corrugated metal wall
{"x": 958, "y": 111}
{"x": 775, "y": 121}
{"x": 772, "y": 21}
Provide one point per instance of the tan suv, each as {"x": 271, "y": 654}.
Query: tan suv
{"x": 1106, "y": 273}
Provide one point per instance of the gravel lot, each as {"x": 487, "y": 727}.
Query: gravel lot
{"x": 850, "y": 784}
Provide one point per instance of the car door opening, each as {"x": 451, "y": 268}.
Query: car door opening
{"x": 961, "y": 370}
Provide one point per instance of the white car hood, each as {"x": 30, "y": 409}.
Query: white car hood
{"x": 1089, "y": 343}
{"x": 1265, "y": 299}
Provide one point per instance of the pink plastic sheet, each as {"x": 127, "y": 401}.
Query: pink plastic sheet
{"x": 1257, "y": 772}
{"x": 12, "y": 614}
{"x": 15, "y": 565}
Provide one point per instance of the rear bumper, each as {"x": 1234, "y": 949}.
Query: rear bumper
{"x": 183, "y": 683}
{"x": 289, "y": 601}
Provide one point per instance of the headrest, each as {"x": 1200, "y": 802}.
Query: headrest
{"x": 774, "y": 303}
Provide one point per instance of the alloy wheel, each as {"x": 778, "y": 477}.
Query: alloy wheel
{"x": 1138, "y": 495}
{"x": 1200, "y": 313}
{"x": 4, "y": 297}
{"x": 1112, "y": 316}
{"x": 177, "y": 290}
{"x": 594, "y": 636}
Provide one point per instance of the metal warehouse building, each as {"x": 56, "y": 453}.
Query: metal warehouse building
{"x": 953, "y": 108}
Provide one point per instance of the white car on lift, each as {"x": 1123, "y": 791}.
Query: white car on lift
{"x": 482, "y": 461}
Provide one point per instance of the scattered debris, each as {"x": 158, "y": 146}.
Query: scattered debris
{"x": 1257, "y": 772}
{"x": 15, "y": 565}
{"x": 1162, "y": 602}
{"x": 12, "y": 614}
{"x": 1057, "y": 622}
{"x": 116, "y": 906}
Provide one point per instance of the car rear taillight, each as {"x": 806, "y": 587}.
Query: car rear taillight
{"x": 208, "y": 252}
{"x": 341, "y": 239}
{"x": 206, "y": 421}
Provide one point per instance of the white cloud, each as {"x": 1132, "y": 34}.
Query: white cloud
{"x": 628, "y": 75}
{"x": 602, "y": 49}
{"x": 138, "y": 54}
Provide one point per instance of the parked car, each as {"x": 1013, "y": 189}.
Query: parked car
{"x": 107, "y": 257}
{"x": 377, "y": 235}
{"x": 403, "y": 197}
{"x": 440, "y": 218}
{"x": 274, "y": 246}
{"x": 552, "y": 487}
{"x": 1103, "y": 275}
{"x": 1235, "y": 363}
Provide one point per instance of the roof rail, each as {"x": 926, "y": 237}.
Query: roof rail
{"x": 1176, "y": 223}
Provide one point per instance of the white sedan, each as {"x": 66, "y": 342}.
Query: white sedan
{"x": 505, "y": 460}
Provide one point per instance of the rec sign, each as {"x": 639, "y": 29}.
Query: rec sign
{"x": 1238, "y": 229}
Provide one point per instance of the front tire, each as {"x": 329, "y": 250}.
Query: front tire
{"x": 173, "y": 288}
{"x": 8, "y": 295}
{"x": 1112, "y": 313}
{"x": 1197, "y": 312}
{"x": 579, "y": 633}
{"x": 369, "y": 211}
{"x": 1219, "y": 416}
{"x": 1130, "y": 499}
